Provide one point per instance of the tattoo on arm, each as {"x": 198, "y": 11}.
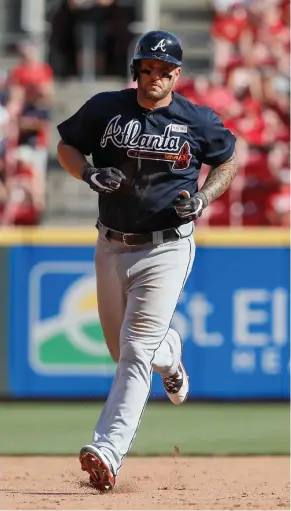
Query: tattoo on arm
{"x": 219, "y": 179}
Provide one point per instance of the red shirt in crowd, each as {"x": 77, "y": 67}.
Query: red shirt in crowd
{"x": 27, "y": 74}
{"x": 229, "y": 26}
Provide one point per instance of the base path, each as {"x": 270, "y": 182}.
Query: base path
{"x": 148, "y": 483}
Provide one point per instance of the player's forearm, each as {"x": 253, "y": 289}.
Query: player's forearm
{"x": 219, "y": 179}
{"x": 71, "y": 159}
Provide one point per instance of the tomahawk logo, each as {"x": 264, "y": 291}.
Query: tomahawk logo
{"x": 181, "y": 160}
{"x": 161, "y": 44}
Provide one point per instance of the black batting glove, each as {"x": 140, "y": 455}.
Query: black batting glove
{"x": 103, "y": 180}
{"x": 192, "y": 207}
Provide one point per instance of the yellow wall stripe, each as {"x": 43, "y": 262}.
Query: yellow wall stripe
{"x": 232, "y": 237}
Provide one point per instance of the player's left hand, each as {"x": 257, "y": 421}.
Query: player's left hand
{"x": 190, "y": 207}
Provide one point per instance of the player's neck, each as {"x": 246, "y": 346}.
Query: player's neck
{"x": 152, "y": 105}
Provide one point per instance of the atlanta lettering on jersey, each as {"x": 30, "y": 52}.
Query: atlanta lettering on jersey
{"x": 130, "y": 137}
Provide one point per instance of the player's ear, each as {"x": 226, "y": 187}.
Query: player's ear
{"x": 177, "y": 73}
{"x": 134, "y": 70}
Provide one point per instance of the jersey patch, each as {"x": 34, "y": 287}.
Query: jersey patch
{"x": 180, "y": 160}
{"x": 179, "y": 128}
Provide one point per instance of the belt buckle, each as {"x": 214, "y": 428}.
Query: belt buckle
{"x": 124, "y": 237}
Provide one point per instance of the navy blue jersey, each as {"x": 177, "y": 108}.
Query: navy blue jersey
{"x": 160, "y": 151}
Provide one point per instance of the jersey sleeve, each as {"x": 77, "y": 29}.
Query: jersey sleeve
{"x": 78, "y": 130}
{"x": 219, "y": 141}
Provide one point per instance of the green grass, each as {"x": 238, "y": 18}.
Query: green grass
{"x": 197, "y": 429}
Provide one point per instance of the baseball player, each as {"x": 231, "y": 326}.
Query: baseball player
{"x": 147, "y": 146}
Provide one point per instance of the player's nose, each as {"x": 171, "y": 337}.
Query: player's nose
{"x": 156, "y": 74}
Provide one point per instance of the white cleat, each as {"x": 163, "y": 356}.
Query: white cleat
{"x": 177, "y": 385}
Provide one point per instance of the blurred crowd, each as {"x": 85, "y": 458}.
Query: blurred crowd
{"x": 249, "y": 89}
{"x": 89, "y": 38}
{"x": 26, "y": 95}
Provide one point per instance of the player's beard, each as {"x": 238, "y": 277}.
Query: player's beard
{"x": 158, "y": 94}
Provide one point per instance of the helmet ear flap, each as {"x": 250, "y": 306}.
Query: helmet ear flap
{"x": 133, "y": 71}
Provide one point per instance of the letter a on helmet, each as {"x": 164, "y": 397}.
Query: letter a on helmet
{"x": 157, "y": 45}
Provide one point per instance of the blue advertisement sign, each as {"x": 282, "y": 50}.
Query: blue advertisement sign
{"x": 233, "y": 317}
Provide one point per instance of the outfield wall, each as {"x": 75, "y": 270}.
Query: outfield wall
{"x": 233, "y": 316}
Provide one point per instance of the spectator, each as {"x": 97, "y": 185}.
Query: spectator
{"x": 62, "y": 51}
{"x": 25, "y": 192}
{"x": 118, "y": 40}
{"x": 279, "y": 161}
{"x": 30, "y": 71}
{"x": 34, "y": 126}
{"x": 89, "y": 20}
{"x": 278, "y": 206}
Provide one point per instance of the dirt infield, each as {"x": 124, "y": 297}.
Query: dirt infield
{"x": 148, "y": 483}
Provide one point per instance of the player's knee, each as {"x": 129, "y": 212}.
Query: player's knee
{"x": 132, "y": 352}
{"x": 128, "y": 351}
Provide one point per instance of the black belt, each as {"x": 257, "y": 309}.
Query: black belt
{"x": 132, "y": 239}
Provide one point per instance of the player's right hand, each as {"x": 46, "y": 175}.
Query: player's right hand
{"x": 103, "y": 180}
{"x": 188, "y": 207}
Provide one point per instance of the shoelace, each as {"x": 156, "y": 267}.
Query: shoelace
{"x": 173, "y": 383}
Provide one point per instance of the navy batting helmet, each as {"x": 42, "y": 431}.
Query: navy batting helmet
{"x": 158, "y": 45}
